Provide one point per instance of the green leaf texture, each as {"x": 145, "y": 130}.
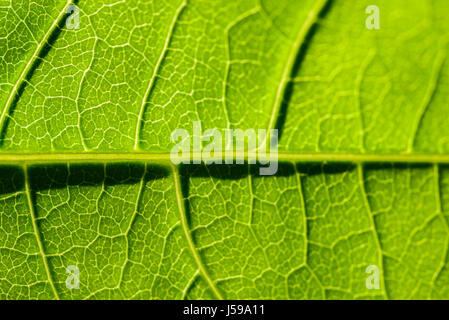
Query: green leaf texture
{"x": 85, "y": 121}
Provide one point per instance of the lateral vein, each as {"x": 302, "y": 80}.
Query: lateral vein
{"x": 373, "y": 227}
{"x": 156, "y": 71}
{"x": 29, "y": 65}
{"x": 286, "y": 76}
{"x": 188, "y": 236}
{"x": 36, "y": 232}
{"x": 428, "y": 97}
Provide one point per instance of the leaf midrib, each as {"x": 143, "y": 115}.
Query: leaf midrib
{"x": 158, "y": 157}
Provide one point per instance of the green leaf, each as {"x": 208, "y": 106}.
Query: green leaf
{"x": 86, "y": 179}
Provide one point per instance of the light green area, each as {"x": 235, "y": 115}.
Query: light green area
{"x": 105, "y": 97}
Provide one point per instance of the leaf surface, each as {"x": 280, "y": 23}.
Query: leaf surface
{"x": 86, "y": 118}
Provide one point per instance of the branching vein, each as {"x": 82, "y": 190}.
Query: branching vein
{"x": 29, "y": 66}
{"x": 188, "y": 236}
{"x": 156, "y": 71}
{"x": 36, "y": 231}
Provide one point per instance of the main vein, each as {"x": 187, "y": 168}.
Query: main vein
{"x": 164, "y": 158}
